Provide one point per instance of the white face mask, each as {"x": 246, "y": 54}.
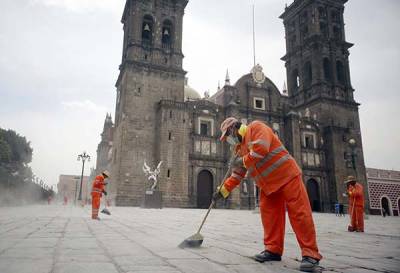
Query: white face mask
{"x": 232, "y": 140}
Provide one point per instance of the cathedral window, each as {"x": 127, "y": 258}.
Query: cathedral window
{"x": 292, "y": 41}
{"x": 169, "y": 173}
{"x": 259, "y": 103}
{"x": 324, "y": 29}
{"x": 304, "y": 18}
{"x": 206, "y": 127}
{"x": 169, "y": 135}
{"x": 340, "y": 72}
{"x": 166, "y": 38}
{"x": 292, "y": 27}
{"x": 147, "y": 30}
{"x": 336, "y": 33}
{"x": 304, "y": 32}
{"x": 322, "y": 13}
{"x": 335, "y": 16}
{"x": 309, "y": 140}
{"x": 307, "y": 74}
{"x": 327, "y": 70}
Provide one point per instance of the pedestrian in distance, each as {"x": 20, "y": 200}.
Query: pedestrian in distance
{"x": 337, "y": 209}
{"x": 355, "y": 194}
{"x": 97, "y": 193}
{"x": 260, "y": 153}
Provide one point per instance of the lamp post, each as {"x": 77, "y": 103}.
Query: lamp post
{"x": 353, "y": 143}
{"x": 84, "y": 156}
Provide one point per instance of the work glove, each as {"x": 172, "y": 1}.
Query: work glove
{"x": 105, "y": 193}
{"x": 237, "y": 162}
{"x": 221, "y": 193}
{"x": 217, "y": 196}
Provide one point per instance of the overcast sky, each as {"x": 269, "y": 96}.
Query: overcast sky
{"x": 59, "y": 63}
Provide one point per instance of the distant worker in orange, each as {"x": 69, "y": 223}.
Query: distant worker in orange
{"x": 97, "y": 193}
{"x": 260, "y": 153}
{"x": 355, "y": 192}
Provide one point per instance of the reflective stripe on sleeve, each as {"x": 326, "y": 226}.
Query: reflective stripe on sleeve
{"x": 235, "y": 175}
{"x": 259, "y": 141}
{"x": 270, "y": 155}
{"x": 275, "y": 165}
{"x": 254, "y": 154}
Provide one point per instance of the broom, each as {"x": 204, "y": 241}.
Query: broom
{"x": 105, "y": 210}
{"x": 197, "y": 239}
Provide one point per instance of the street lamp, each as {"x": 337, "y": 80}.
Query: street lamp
{"x": 84, "y": 156}
{"x": 353, "y": 143}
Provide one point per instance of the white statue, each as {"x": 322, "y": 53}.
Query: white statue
{"x": 152, "y": 175}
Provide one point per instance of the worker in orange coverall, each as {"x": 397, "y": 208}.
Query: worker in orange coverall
{"x": 97, "y": 193}
{"x": 260, "y": 153}
{"x": 355, "y": 192}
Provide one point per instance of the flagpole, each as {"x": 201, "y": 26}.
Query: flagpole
{"x": 254, "y": 37}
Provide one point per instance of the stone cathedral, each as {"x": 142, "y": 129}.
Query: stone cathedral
{"x": 158, "y": 117}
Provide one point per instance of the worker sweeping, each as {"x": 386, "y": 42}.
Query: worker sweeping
{"x": 355, "y": 192}
{"x": 97, "y": 193}
{"x": 261, "y": 154}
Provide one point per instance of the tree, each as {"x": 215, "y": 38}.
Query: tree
{"x": 19, "y": 151}
{"x": 5, "y": 152}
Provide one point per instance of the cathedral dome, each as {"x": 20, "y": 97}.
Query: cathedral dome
{"x": 190, "y": 93}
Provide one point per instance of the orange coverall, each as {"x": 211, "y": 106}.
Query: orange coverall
{"x": 280, "y": 180}
{"x": 356, "y": 205}
{"x": 97, "y": 192}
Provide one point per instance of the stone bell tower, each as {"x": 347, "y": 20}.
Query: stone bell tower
{"x": 318, "y": 76}
{"x": 150, "y": 71}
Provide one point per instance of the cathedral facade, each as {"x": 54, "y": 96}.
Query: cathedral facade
{"x": 159, "y": 118}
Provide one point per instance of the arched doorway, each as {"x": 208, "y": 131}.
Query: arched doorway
{"x": 204, "y": 189}
{"x": 313, "y": 195}
{"x": 386, "y": 206}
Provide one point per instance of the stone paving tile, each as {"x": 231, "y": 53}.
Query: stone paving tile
{"x": 29, "y": 253}
{"x": 83, "y": 267}
{"x": 37, "y": 243}
{"x": 198, "y": 266}
{"x": 57, "y": 239}
{"x": 265, "y": 268}
{"x": 18, "y": 265}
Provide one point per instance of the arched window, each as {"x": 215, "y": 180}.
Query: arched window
{"x": 166, "y": 35}
{"x": 336, "y": 33}
{"x": 340, "y": 72}
{"x": 324, "y": 29}
{"x": 327, "y": 70}
{"x": 147, "y": 30}
{"x": 307, "y": 74}
{"x": 322, "y": 13}
{"x": 295, "y": 81}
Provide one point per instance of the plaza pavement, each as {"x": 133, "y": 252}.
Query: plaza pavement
{"x": 60, "y": 239}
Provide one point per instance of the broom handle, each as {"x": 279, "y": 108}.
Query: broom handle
{"x": 212, "y": 202}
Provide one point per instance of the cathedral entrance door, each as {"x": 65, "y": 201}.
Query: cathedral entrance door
{"x": 386, "y": 207}
{"x": 313, "y": 195}
{"x": 204, "y": 189}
